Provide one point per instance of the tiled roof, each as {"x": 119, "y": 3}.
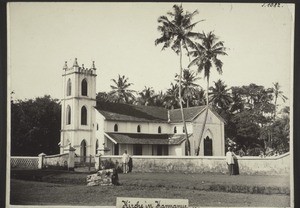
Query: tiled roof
{"x": 128, "y": 138}
{"x": 127, "y": 112}
{"x": 177, "y": 138}
{"x": 141, "y": 113}
{"x": 189, "y": 114}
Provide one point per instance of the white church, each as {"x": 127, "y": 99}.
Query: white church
{"x": 89, "y": 126}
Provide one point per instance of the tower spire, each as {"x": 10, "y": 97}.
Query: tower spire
{"x": 65, "y": 66}
{"x": 75, "y": 63}
{"x": 93, "y": 65}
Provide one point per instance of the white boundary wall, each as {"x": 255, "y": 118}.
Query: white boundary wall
{"x": 279, "y": 165}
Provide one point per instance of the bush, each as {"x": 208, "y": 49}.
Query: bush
{"x": 109, "y": 164}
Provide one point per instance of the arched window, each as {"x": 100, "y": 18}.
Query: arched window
{"x": 183, "y": 130}
{"x": 175, "y": 130}
{"x": 68, "y": 115}
{"x": 116, "y": 128}
{"x": 97, "y": 145}
{"x": 138, "y": 129}
{"x": 208, "y": 146}
{"x": 159, "y": 130}
{"x": 84, "y": 88}
{"x": 69, "y": 87}
{"x": 83, "y": 149}
{"x": 83, "y": 116}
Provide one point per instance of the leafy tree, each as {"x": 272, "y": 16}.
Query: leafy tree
{"x": 247, "y": 130}
{"x": 237, "y": 100}
{"x": 35, "y": 126}
{"x": 205, "y": 56}
{"x": 177, "y": 33}
{"x": 103, "y": 97}
{"x": 120, "y": 92}
{"x": 188, "y": 85}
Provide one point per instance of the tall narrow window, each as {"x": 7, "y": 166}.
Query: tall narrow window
{"x": 69, "y": 87}
{"x": 84, "y": 88}
{"x": 83, "y": 150}
{"x": 175, "y": 130}
{"x": 97, "y": 145}
{"x": 83, "y": 116}
{"x": 159, "y": 130}
{"x": 183, "y": 130}
{"x": 68, "y": 115}
{"x": 116, "y": 128}
{"x": 138, "y": 128}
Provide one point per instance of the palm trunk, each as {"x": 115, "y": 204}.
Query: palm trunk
{"x": 180, "y": 103}
{"x": 205, "y": 118}
{"x": 275, "y": 103}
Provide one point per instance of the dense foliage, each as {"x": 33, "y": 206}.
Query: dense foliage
{"x": 35, "y": 126}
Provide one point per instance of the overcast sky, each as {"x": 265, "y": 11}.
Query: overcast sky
{"x": 120, "y": 37}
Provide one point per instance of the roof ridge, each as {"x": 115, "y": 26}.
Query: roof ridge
{"x": 187, "y": 108}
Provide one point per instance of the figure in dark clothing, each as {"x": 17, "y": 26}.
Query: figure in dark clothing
{"x": 130, "y": 165}
{"x": 236, "y": 166}
{"x": 115, "y": 177}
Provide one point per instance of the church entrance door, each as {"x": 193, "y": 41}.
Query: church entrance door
{"x": 208, "y": 146}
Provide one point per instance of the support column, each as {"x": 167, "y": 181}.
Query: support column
{"x": 71, "y": 159}
{"x": 41, "y": 160}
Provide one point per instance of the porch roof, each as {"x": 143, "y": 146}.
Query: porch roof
{"x": 135, "y": 138}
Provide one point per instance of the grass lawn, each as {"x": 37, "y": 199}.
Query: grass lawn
{"x": 70, "y": 189}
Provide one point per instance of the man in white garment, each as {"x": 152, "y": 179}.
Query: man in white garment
{"x": 125, "y": 160}
{"x": 230, "y": 160}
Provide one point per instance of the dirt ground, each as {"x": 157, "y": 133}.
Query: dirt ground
{"x": 199, "y": 189}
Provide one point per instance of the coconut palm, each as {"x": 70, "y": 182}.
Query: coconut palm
{"x": 205, "y": 56}
{"x": 177, "y": 33}
{"x": 171, "y": 98}
{"x": 188, "y": 85}
{"x": 219, "y": 95}
{"x": 277, "y": 94}
{"x": 147, "y": 97}
{"x": 199, "y": 97}
{"x": 120, "y": 92}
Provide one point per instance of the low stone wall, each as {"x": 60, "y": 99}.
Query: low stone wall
{"x": 279, "y": 165}
{"x": 59, "y": 161}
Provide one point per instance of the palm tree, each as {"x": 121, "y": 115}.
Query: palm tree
{"x": 206, "y": 55}
{"x": 199, "y": 97}
{"x": 177, "y": 33}
{"x": 147, "y": 97}
{"x": 219, "y": 95}
{"x": 160, "y": 99}
{"x": 120, "y": 92}
{"x": 171, "y": 98}
{"x": 188, "y": 85}
{"x": 277, "y": 94}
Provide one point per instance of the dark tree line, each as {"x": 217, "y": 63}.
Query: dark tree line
{"x": 35, "y": 126}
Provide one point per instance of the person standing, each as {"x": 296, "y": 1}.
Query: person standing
{"x": 230, "y": 160}
{"x": 125, "y": 160}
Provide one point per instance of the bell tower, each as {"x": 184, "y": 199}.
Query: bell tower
{"x": 78, "y": 113}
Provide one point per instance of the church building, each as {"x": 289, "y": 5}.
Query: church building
{"x": 91, "y": 126}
